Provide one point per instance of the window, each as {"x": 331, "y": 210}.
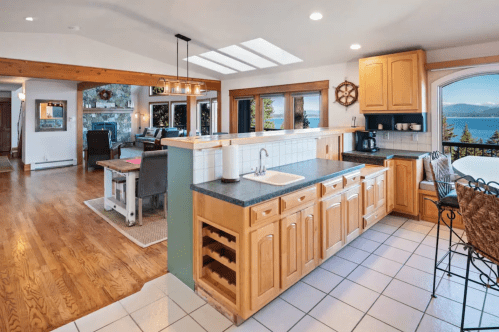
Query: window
{"x": 246, "y": 115}
{"x": 214, "y": 116}
{"x": 204, "y": 121}
{"x": 160, "y": 114}
{"x": 180, "y": 116}
{"x": 470, "y": 114}
{"x": 273, "y": 112}
{"x": 306, "y": 110}
{"x": 290, "y": 106}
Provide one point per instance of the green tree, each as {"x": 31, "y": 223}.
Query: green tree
{"x": 494, "y": 139}
{"x": 268, "y": 110}
{"x": 306, "y": 121}
{"x": 466, "y": 137}
{"x": 447, "y": 133}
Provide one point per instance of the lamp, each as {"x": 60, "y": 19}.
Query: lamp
{"x": 183, "y": 87}
{"x": 21, "y": 96}
{"x": 136, "y": 115}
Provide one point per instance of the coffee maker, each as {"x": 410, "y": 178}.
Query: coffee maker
{"x": 366, "y": 141}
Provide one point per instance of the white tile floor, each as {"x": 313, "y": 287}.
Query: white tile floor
{"x": 380, "y": 282}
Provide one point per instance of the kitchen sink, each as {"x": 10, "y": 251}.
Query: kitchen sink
{"x": 275, "y": 178}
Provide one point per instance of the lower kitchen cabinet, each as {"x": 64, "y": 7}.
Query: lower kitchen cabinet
{"x": 310, "y": 238}
{"x": 407, "y": 176}
{"x": 333, "y": 219}
{"x": 264, "y": 254}
{"x": 380, "y": 190}
{"x": 390, "y": 185}
{"x": 369, "y": 195}
{"x": 353, "y": 213}
{"x": 291, "y": 252}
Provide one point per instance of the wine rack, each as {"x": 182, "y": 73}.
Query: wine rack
{"x": 219, "y": 262}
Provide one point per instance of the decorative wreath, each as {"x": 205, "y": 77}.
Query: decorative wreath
{"x": 347, "y": 93}
{"x": 105, "y": 94}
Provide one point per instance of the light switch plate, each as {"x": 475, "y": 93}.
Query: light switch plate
{"x": 386, "y": 135}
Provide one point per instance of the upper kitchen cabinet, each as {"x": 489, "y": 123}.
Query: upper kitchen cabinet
{"x": 393, "y": 83}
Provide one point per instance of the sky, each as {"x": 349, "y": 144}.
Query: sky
{"x": 478, "y": 90}
{"x": 311, "y": 103}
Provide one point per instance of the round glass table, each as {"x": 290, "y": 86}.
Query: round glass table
{"x": 486, "y": 168}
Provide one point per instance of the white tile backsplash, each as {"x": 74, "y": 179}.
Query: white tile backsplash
{"x": 208, "y": 163}
{"x": 404, "y": 141}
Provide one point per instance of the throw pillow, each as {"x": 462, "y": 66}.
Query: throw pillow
{"x": 159, "y": 134}
{"x": 150, "y": 132}
{"x": 427, "y": 168}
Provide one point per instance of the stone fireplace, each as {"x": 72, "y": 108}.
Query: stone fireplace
{"x": 120, "y": 124}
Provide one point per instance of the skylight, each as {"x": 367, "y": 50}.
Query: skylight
{"x": 225, "y": 60}
{"x": 210, "y": 65}
{"x": 271, "y": 51}
{"x": 247, "y": 56}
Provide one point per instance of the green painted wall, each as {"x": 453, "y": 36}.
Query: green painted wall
{"x": 180, "y": 214}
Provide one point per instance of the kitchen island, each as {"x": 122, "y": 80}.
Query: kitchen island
{"x": 252, "y": 241}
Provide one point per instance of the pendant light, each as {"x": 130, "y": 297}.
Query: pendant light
{"x": 185, "y": 87}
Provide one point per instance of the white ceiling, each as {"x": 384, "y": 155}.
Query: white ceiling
{"x": 147, "y": 27}
{"x": 8, "y": 83}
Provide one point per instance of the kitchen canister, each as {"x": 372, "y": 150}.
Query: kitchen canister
{"x": 230, "y": 163}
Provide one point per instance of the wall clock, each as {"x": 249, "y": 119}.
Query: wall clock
{"x": 347, "y": 93}
{"x": 105, "y": 94}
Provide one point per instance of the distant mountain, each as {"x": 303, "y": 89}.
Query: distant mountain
{"x": 472, "y": 111}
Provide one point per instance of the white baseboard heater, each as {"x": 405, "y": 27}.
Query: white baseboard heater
{"x": 52, "y": 164}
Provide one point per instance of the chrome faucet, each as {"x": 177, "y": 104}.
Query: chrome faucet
{"x": 261, "y": 170}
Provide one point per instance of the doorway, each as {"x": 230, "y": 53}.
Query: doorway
{"x": 5, "y": 126}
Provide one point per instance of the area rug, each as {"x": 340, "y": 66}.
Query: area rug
{"x": 5, "y": 165}
{"x": 154, "y": 230}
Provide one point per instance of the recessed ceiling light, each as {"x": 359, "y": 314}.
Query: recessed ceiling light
{"x": 225, "y": 60}
{"x": 29, "y": 18}
{"x": 271, "y": 51}
{"x": 210, "y": 65}
{"x": 355, "y": 46}
{"x": 247, "y": 56}
{"x": 315, "y": 16}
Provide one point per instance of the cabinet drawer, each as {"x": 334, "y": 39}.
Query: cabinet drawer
{"x": 298, "y": 198}
{"x": 351, "y": 179}
{"x": 332, "y": 186}
{"x": 374, "y": 217}
{"x": 264, "y": 211}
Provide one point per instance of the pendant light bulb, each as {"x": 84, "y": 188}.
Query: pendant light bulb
{"x": 197, "y": 89}
{"x": 187, "y": 88}
{"x": 177, "y": 87}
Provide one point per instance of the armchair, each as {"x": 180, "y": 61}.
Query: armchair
{"x": 99, "y": 147}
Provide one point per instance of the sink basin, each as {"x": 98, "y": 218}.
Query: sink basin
{"x": 275, "y": 178}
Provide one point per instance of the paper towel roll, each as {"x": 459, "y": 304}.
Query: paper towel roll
{"x": 230, "y": 155}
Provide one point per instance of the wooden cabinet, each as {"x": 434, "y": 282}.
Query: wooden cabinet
{"x": 353, "y": 214}
{"x": 333, "y": 219}
{"x": 310, "y": 239}
{"x": 393, "y": 83}
{"x": 264, "y": 254}
{"x": 329, "y": 147}
{"x": 291, "y": 253}
{"x": 404, "y": 184}
{"x": 369, "y": 195}
{"x": 390, "y": 185}
{"x": 429, "y": 212}
{"x": 380, "y": 187}
{"x": 373, "y": 84}
{"x": 403, "y": 82}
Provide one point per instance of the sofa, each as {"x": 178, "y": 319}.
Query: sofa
{"x": 152, "y": 134}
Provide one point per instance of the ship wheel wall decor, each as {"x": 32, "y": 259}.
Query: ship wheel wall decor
{"x": 347, "y": 93}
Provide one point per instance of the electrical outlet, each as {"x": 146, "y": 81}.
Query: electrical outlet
{"x": 415, "y": 137}
{"x": 386, "y": 135}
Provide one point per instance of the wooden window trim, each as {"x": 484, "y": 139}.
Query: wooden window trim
{"x": 319, "y": 86}
{"x": 462, "y": 63}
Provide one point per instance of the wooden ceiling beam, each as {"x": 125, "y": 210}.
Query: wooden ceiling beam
{"x": 55, "y": 71}
{"x": 82, "y": 86}
{"x": 462, "y": 63}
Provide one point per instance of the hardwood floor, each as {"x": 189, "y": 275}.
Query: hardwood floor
{"x": 58, "y": 260}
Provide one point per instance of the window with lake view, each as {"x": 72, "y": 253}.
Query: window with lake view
{"x": 471, "y": 114}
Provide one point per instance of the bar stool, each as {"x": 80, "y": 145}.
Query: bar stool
{"x": 444, "y": 179}
{"x": 479, "y": 204}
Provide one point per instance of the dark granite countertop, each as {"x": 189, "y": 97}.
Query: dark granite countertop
{"x": 248, "y": 192}
{"x": 387, "y": 154}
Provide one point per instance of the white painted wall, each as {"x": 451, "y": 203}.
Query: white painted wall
{"x": 463, "y": 52}
{"x": 338, "y": 115}
{"x": 16, "y": 106}
{"x": 77, "y": 50}
{"x": 49, "y": 146}
{"x": 4, "y": 94}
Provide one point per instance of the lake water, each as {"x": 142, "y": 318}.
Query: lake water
{"x": 479, "y": 127}
{"x": 314, "y": 122}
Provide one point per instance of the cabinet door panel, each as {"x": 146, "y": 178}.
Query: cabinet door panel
{"x": 390, "y": 185}
{"x": 329, "y": 147}
{"x": 373, "y": 87}
{"x": 310, "y": 239}
{"x": 404, "y": 184}
{"x": 264, "y": 265}
{"x": 403, "y": 82}
{"x": 332, "y": 225}
{"x": 380, "y": 191}
{"x": 290, "y": 250}
{"x": 353, "y": 215}
{"x": 369, "y": 193}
